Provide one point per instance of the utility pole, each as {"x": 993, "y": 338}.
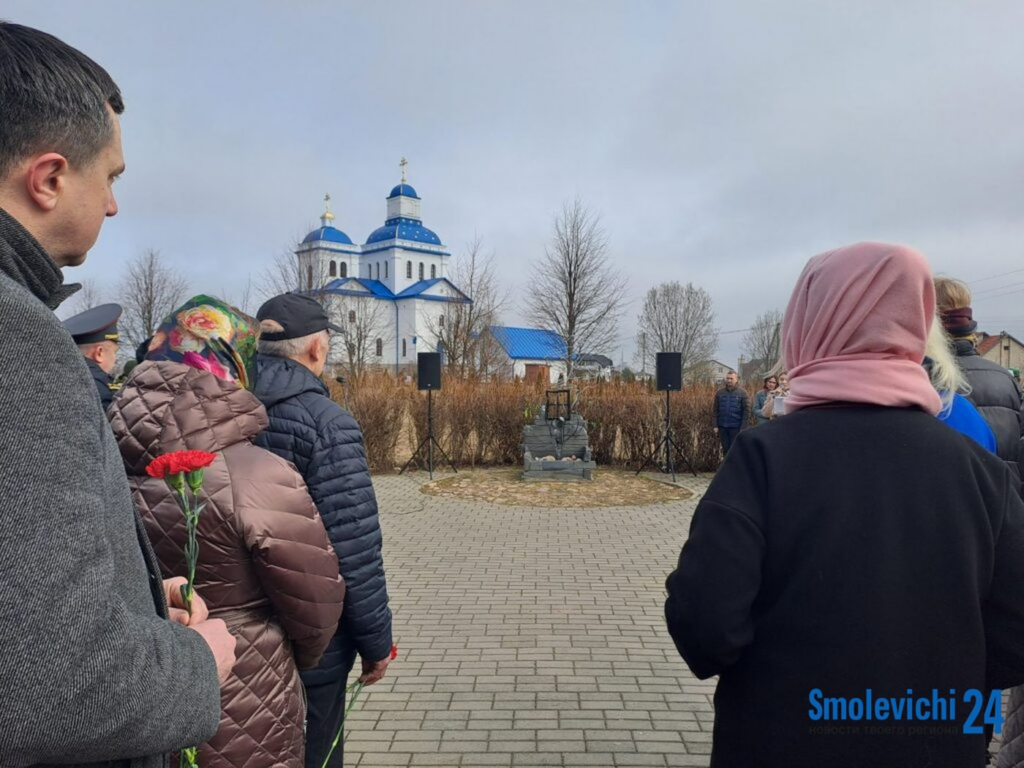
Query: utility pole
{"x": 643, "y": 355}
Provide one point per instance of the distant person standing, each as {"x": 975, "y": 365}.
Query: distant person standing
{"x": 730, "y": 411}
{"x": 994, "y": 391}
{"x": 95, "y": 332}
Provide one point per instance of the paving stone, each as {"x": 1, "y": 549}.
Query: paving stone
{"x": 530, "y": 636}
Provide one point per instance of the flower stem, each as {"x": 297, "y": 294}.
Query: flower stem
{"x": 355, "y": 689}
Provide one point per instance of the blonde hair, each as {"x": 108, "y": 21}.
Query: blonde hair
{"x": 951, "y": 293}
{"x": 946, "y": 376}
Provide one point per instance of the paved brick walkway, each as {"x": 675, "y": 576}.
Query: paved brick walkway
{"x": 531, "y": 637}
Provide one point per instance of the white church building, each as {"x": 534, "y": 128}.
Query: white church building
{"x": 391, "y": 293}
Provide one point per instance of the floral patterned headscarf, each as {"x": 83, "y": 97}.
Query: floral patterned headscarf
{"x": 211, "y": 335}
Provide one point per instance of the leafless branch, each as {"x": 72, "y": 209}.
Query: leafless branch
{"x": 575, "y": 292}
{"x": 149, "y": 291}
{"x": 676, "y": 318}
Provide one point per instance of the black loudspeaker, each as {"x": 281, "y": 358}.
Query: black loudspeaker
{"x": 670, "y": 371}
{"x": 428, "y": 370}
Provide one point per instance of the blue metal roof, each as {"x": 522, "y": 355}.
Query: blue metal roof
{"x": 403, "y": 190}
{"x": 376, "y": 287}
{"x": 417, "y": 290}
{"x": 529, "y": 343}
{"x": 403, "y": 229}
{"x": 329, "y": 234}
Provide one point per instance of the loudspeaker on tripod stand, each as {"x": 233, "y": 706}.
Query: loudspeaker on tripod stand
{"x": 428, "y": 377}
{"x": 669, "y": 371}
{"x": 428, "y": 370}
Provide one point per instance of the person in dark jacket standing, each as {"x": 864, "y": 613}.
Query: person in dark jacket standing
{"x": 325, "y": 443}
{"x": 95, "y": 332}
{"x": 92, "y": 672}
{"x": 730, "y": 411}
{"x": 994, "y": 391}
{"x": 861, "y": 568}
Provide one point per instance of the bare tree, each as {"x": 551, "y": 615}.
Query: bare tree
{"x": 762, "y": 340}
{"x": 149, "y": 292}
{"x": 363, "y": 321}
{"x": 242, "y": 298}
{"x": 677, "y": 318}
{"x": 575, "y": 292}
{"x": 287, "y": 273}
{"x": 461, "y": 328}
{"x": 90, "y": 296}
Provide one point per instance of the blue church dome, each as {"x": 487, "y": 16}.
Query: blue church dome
{"x": 404, "y": 190}
{"x": 404, "y": 229}
{"x": 329, "y": 234}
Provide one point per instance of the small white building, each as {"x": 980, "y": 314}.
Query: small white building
{"x": 707, "y": 372}
{"x": 389, "y": 294}
{"x": 530, "y": 353}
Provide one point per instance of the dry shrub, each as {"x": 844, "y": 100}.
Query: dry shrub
{"x": 481, "y": 422}
{"x": 602, "y": 407}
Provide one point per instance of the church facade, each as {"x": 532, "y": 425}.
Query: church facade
{"x": 390, "y": 295}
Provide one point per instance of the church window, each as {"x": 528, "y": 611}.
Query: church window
{"x": 309, "y": 276}
{"x": 440, "y": 322}
{"x": 408, "y": 269}
{"x": 344, "y": 269}
{"x": 333, "y": 269}
{"x": 351, "y": 315}
{"x": 403, "y": 347}
{"x": 378, "y": 270}
{"x": 369, "y": 270}
{"x": 385, "y": 270}
{"x": 421, "y": 270}
{"x": 433, "y": 271}
{"x": 380, "y": 347}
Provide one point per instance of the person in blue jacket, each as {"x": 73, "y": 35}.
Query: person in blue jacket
{"x": 731, "y": 410}
{"x": 949, "y": 381}
{"x": 325, "y": 444}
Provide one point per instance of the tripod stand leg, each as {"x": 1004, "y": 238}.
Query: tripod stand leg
{"x": 441, "y": 450}
{"x": 415, "y": 455}
{"x": 653, "y": 455}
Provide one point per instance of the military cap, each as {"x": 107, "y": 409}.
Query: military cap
{"x": 95, "y": 325}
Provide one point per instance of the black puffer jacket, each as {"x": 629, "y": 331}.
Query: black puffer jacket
{"x": 326, "y": 445}
{"x": 997, "y": 397}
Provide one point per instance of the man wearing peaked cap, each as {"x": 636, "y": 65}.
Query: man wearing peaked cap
{"x": 95, "y": 332}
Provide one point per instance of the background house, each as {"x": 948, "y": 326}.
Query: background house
{"x": 594, "y": 367}
{"x": 707, "y": 372}
{"x": 1004, "y": 350}
{"x": 530, "y": 353}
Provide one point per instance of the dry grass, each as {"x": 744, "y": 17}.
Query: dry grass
{"x": 609, "y": 488}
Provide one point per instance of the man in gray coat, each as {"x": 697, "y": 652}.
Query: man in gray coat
{"x": 92, "y": 672}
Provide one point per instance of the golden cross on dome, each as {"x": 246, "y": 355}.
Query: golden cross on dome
{"x": 403, "y": 164}
{"x": 327, "y": 207}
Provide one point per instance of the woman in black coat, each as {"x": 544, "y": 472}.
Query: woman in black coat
{"x": 857, "y": 549}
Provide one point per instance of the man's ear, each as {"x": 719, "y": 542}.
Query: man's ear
{"x": 45, "y": 179}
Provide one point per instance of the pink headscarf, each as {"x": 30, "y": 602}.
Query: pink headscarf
{"x": 856, "y": 326}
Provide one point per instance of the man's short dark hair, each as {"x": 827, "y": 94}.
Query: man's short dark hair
{"x": 53, "y": 99}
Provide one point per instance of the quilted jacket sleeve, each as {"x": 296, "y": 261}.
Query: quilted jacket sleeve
{"x": 339, "y": 482}
{"x": 292, "y": 555}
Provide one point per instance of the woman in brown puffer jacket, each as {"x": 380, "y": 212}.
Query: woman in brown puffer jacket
{"x": 266, "y": 566}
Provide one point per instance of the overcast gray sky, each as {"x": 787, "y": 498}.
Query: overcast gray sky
{"x": 723, "y": 143}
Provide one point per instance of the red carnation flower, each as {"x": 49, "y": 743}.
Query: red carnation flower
{"x": 394, "y": 651}
{"x": 179, "y": 462}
